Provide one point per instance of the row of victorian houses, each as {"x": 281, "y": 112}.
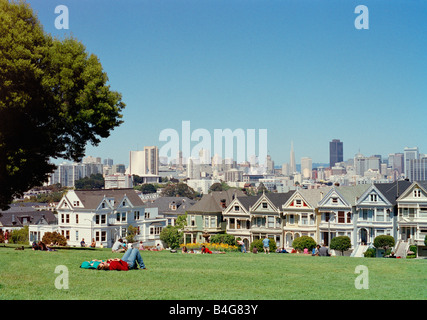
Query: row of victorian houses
{"x": 360, "y": 212}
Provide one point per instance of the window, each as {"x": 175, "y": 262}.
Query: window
{"x": 118, "y": 216}
{"x": 136, "y": 215}
{"x": 380, "y": 214}
{"x": 291, "y": 219}
{"x": 147, "y": 215}
{"x": 335, "y": 200}
{"x": 103, "y": 235}
{"x": 304, "y": 219}
{"x": 97, "y": 219}
{"x": 67, "y": 234}
{"x": 123, "y": 216}
{"x": 327, "y": 216}
{"x": 76, "y": 203}
{"x": 103, "y": 218}
{"x": 77, "y": 235}
{"x": 264, "y": 205}
{"x": 103, "y": 205}
{"x": 417, "y": 193}
{"x": 155, "y": 230}
{"x": 213, "y": 222}
{"x": 271, "y": 222}
{"x": 62, "y": 218}
{"x": 77, "y": 218}
{"x": 348, "y": 217}
{"x": 298, "y": 202}
{"x": 67, "y": 218}
{"x": 373, "y": 197}
{"x": 97, "y": 235}
{"x": 232, "y": 225}
{"x": 341, "y": 217}
{"x": 236, "y": 208}
{"x": 364, "y": 214}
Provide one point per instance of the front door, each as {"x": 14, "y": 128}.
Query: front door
{"x": 363, "y": 236}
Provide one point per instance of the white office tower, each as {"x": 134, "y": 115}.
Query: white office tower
{"x": 306, "y": 167}
{"x": 193, "y": 168}
{"x": 204, "y": 156}
{"x": 144, "y": 162}
{"x": 137, "y": 163}
{"x": 292, "y": 164}
{"x": 408, "y": 155}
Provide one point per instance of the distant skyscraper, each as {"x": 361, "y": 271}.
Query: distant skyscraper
{"x": 306, "y": 167}
{"x": 292, "y": 164}
{"x": 408, "y": 155}
{"x": 151, "y": 160}
{"x": 336, "y": 153}
{"x": 144, "y": 162}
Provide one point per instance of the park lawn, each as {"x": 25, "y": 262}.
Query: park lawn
{"x": 28, "y": 274}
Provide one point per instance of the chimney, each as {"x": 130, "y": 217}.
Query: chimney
{"x": 223, "y": 203}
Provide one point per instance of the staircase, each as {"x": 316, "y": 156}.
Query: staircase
{"x": 401, "y": 249}
{"x": 360, "y": 249}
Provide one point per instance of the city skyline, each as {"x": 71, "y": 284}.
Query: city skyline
{"x": 301, "y": 71}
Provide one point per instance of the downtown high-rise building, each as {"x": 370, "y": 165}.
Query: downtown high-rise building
{"x": 336, "y": 152}
{"x": 292, "y": 164}
{"x": 144, "y": 162}
{"x": 408, "y": 155}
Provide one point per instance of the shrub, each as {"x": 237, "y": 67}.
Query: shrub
{"x": 223, "y": 238}
{"x": 370, "y": 253}
{"x": 171, "y": 236}
{"x": 54, "y": 237}
{"x": 383, "y": 242}
{"x": 304, "y": 242}
{"x": 19, "y": 236}
{"x": 341, "y": 243}
{"x": 260, "y": 247}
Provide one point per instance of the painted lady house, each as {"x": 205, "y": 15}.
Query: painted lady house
{"x": 412, "y": 218}
{"x": 377, "y": 213}
{"x": 336, "y": 213}
{"x": 300, "y": 214}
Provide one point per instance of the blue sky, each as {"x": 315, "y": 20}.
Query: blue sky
{"x": 299, "y": 69}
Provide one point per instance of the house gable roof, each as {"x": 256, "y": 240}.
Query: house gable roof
{"x": 212, "y": 202}
{"x": 92, "y": 199}
{"x": 416, "y": 184}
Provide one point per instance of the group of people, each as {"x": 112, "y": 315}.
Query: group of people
{"x": 42, "y": 246}
{"x": 92, "y": 245}
{"x": 131, "y": 258}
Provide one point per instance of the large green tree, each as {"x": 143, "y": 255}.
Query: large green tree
{"x": 54, "y": 100}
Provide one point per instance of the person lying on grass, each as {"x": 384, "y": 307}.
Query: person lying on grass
{"x": 130, "y": 260}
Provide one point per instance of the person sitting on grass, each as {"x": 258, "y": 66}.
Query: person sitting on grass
{"x": 118, "y": 246}
{"x": 130, "y": 260}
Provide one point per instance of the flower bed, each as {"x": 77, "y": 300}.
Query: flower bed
{"x": 211, "y": 246}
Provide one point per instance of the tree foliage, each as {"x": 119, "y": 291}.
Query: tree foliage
{"x": 223, "y": 238}
{"x": 54, "y": 237}
{"x": 260, "y": 246}
{"x": 180, "y": 189}
{"x": 172, "y": 236}
{"x": 54, "y": 100}
{"x": 341, "y": 243}
{"x": 304, "y": 242}
{"x": 383, "y": 242}
{"x": 94, "y": 182}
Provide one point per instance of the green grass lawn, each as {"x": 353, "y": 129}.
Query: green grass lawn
{"x": 232, "y": 276}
